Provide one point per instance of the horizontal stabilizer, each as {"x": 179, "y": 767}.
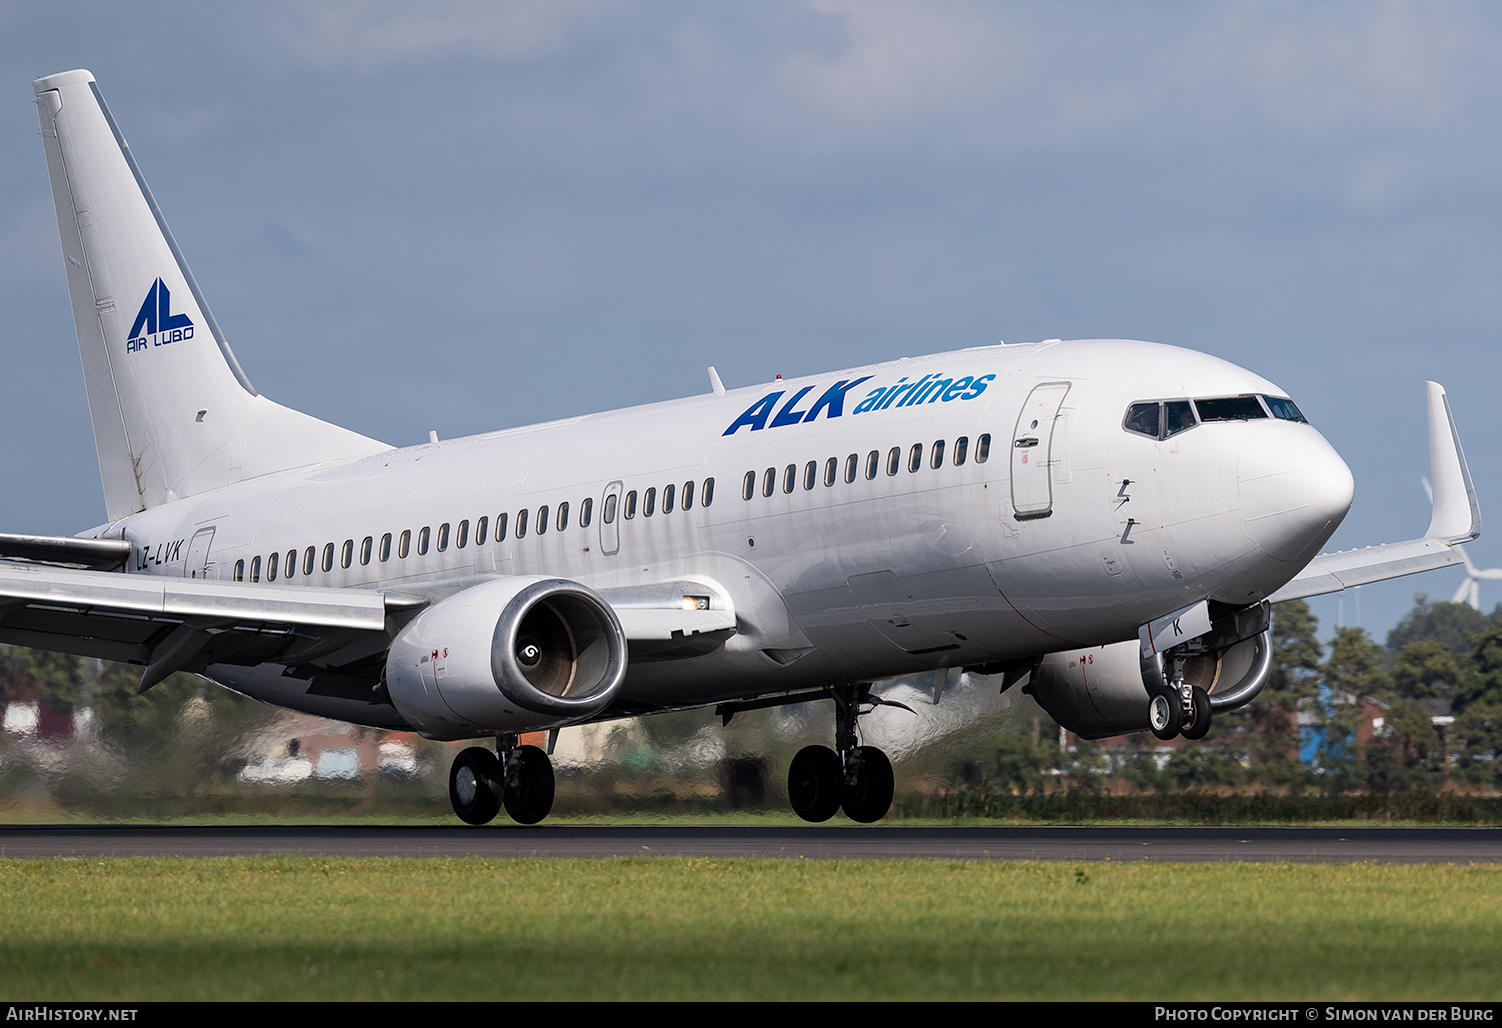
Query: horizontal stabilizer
{"x": 1456, "y": 518}
{"x": 66, "y": 551}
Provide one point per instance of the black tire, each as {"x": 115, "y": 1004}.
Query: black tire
{"x": 869, "y": 796}
{"x": 1165, "y": 715}
{"x": 816, "y": 783}
{"x": 473, "y": 784}
{"x": 1199, "y": 725}
{"x": 531, "y": 798}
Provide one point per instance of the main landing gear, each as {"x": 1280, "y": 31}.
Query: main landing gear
{"x": 857, "y": 778}
{"x": 519, "y": 779}
{"x": 1183, "y": 709}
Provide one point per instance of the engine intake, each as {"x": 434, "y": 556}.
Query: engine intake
{"x": 511, "y": 655}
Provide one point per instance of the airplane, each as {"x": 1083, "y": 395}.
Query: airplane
{"x": 1106, "y": 521}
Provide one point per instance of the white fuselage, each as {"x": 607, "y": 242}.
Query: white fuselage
{"x": 831, "y": 583}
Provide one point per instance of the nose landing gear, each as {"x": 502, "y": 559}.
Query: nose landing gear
{"x": 857, "y": 778}
{"x": 1180, "y": 709}
{"x": 519, "y": 779}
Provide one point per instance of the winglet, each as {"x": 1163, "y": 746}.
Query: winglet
{"x": 1457, "y": 512}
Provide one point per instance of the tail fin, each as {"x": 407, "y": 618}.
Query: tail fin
{"x": 173, "y": 413}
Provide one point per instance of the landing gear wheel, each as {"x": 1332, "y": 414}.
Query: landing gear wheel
{"x": 529, "y": 785}
{"x": 1199, "y": 724}
{"x": 1165, "y": 714}
{"x": 473, "y": 782}
{"x": 816, "y": 783}
{"x": 868, "y": 796}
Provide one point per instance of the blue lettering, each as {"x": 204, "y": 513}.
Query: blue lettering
{"x": 833, "y": 399}
{"x": 871, "y": 400}
{"x": 978, "y": 387}
{"x": 788, "y": 416}
{"x": 756, "y": 415}
{"x": 954, "y": 391}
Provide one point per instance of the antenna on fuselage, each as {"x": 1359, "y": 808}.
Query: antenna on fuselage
{"x": 715, "y": 385}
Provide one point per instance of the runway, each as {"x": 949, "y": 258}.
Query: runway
{"x": 813, "y": 842}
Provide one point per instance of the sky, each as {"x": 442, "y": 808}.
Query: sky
{"x": 463, "y": 217}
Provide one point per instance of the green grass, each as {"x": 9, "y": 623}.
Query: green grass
{"x": 661, "y": 928}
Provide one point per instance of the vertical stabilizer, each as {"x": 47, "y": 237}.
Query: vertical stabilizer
{"x": 173, "y": 413}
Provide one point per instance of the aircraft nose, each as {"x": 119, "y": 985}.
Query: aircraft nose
{"x": 1295, "y": 490}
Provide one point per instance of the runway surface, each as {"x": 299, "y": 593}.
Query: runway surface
{"x": 816, "y": 842}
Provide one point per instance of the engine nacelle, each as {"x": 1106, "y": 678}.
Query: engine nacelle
{"x": 513, "y": 655}
{"x": 1099, "y": 691}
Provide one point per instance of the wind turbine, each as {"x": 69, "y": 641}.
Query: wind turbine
{"x": 1469, "y": 591}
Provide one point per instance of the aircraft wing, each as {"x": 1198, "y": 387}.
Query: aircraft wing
{"x": 184, "y": 624}
{"x": 177, "y": 624}
{"x": 1456, "y": 519}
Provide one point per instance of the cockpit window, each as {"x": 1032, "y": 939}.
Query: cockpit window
{"x": 1180, "y": 416}
{"x": 1230, "y": 408}
{"x": 1285, "y": 409}
{"x": 1145, "y": 419}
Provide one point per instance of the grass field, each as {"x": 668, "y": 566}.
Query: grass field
{"x": 661, "y": 928}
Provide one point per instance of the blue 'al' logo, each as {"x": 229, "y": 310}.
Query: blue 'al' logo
{"x": 156, "y": 325}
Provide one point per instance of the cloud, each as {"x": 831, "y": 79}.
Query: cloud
{"x": 374, "y": 36}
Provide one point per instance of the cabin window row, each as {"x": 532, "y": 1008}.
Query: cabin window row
{"x": 459, "y": 536}
{"x": 672, "y": 499}
{"x": 915, "y": 458}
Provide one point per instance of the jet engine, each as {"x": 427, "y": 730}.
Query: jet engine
{"x": 513, "y": 655}
{"x": 1103, "y": 691}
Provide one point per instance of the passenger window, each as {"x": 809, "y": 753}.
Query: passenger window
{"x": 291, "y": 563}
{"x": 271, "y": 563}
{"x": 873, "y": 463}
{"x": 328, "y": 556}
{"x": 1179, "y": 417}
{"x": 385, "y": 547}
{"x": 542, "y": 520}
{"x": 667, "y": 498}
{"x": 255, "y": 570}
{"x": 649, "y": 502}
{"x": 810, "y": 474}
{"x": 563, "y": 515}
{"x": 521, "y": 523}
{"x": 462, "y": 539}
{"x": 937, "y": 461}
{"x": 404, "y": 545}
{"x": 443, "y": 537}
{"x": 481, "y": 528}
{"x": 365, "y": 547}
{"x": 630, "y": 505}
{"x": 789, "y": 478}
{"x": 424, "y": 534}
{"x": 1144, "y": 419}
{"x": 610, "y": 509}
{"x": 308, "y": 556}
{"x": 748, "y": 487}
{"x": 688, "y": 495}
{"x": 852, "y": 464}
{"x": 831, "y": 470}
{"x": 915, "y": 457}
{"x": 240, "y": 570}
{"x": 894, "y": 460}
{"x": 960, "y": 446}
{"x": 586, "y": 511}
{"x": 500, "y": 528}
{"x": 347, "y": 555}
{"x": 983, "y": 448}
{"x": 706, "y": 495}
{"x": 769, "y": 482}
